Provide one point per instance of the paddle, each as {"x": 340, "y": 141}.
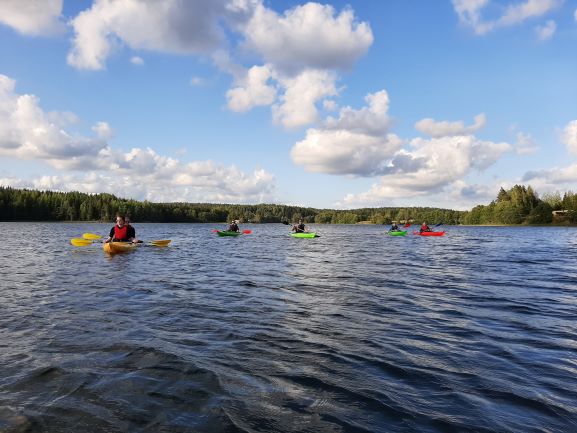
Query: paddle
{"x": 91, "y": 236}
{"x": 437, "y": 225}
{"x": 160, "y": 243}
{"x": 80, "y": 242}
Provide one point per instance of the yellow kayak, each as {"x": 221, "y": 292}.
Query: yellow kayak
{"x": 118, "y": 247}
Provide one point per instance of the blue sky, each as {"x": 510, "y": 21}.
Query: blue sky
{"x": 331, "y": 105}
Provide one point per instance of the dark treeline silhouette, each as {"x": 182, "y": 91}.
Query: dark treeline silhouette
{"x": 33, "y": 205}
{"x": 519, "y": 205}
{"x": 522, "y": 205}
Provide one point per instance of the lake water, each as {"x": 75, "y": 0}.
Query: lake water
{"x": 354, "y": 331}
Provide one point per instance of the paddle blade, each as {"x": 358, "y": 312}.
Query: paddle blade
{"x": 286, "y": 223}
{"x": 79, "y": 242}
{"x": 160, "y": 243}
{"x": 247, "y": 232}
{"x": 91, "y": 236}
{"x": 407, "y": 225}
{"x": 437, "y": 225}
{"x": 214, "y": 230}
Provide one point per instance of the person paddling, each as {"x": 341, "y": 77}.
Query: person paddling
{"x": 119, "y": 233}
{"x": 300, "y": 227}
{"x": 394, "y": 227}
{"x": 425, "y": 228}
{"x": 131, "y": 231}
{"x": 233, "y": 227}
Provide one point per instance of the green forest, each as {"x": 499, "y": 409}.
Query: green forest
{"x": 32, "y": 205}
{"x": 519, "y": 205}
{"x": 522, "y": 205}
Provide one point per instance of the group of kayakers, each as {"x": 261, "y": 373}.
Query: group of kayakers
{"x": 297, "y": 228}
{"x": 124, "y": 232}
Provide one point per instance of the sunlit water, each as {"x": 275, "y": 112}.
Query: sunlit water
{"x": 354, "y": 331}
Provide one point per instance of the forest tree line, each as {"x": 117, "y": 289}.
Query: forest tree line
{"x": 518, "y": 205}
{"x": 34, "y": 205}
{"x": 522, "y": 205}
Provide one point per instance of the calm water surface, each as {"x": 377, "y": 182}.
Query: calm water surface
{"x": 350, "y": 332}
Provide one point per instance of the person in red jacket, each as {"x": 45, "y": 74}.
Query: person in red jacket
{"x": 425, "y": 228}
{"x": 120, "y": 232}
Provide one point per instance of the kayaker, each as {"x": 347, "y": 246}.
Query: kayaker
{"x": 300, "y": 227}
{"x": 119, "y": 233}
{"x": 425, "y": 228}
{"x": 394, "y": 227}
{"x": 131, "y": 230}
{"x": 233, "y": 227}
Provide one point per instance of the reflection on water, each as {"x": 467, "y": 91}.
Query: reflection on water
{"x": 352, "y": 331}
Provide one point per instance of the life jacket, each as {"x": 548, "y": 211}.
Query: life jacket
{"x": 121, "y": 234}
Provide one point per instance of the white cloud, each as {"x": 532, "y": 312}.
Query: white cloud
{"x": 357, "y": 143}
{"x": 136, "y": 60}
{"x": 444, "y": 129}
{"x": 32, "y": 17}
{"x": 196, "y": 81}
{"x": 525, "y": 144}
{"x": 300, "y": 72}
{"x": 517, "y": 13}
{"x": 297, "y": 106}
{"x": 430, "y": 167}
{"x": 252, "y": 90}
{"x": 470, "y": 11}
{"x": 330, "y": 105}
{"x": 547, "y": 31}
{"x": 301, "y": 50}
{"x": 344, "y": 152}
{"x": 553, "y": 179}
{"x": 171, "y": 26}
{"x": 569, "y": 137}
{"x": 308, "y": 36}
{"x": 443, "y": 161}
{"x": 27, "y": 133}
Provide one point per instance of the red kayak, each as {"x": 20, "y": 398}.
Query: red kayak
{"x": 429, "y": 233}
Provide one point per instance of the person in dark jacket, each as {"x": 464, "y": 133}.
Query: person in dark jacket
{"x": 233, "y": 227}
{"x": 300, "y": 227}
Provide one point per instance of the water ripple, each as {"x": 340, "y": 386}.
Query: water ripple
{"x": 350, "y": 332}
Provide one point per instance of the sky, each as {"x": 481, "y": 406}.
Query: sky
{"x": 365, "y": 103}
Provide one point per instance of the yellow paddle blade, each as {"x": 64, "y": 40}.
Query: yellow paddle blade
{"x": 160, "y": 243}
{"x": 91, "y": 236}
{"x": 79, "y": 242}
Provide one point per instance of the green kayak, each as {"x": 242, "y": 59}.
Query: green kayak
{"x": 227, "y": 233}
{"x": 397, "y": 233}
{"x": 305, "y": 235}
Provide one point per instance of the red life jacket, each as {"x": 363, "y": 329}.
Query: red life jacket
{"x": 121, "y": 234}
